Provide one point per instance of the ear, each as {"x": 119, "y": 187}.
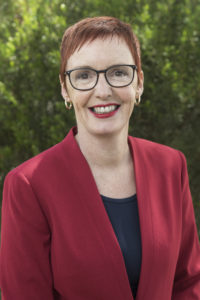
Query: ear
{"x": 140, "y": 87}
{"x": 63, "y": 90}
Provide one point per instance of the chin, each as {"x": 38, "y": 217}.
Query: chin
{"x": 106, "y": 130}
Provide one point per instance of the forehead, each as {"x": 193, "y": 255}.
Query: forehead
{"x": 101, "y": 53}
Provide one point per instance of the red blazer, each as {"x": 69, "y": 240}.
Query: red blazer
{"x": 57, "y": 241}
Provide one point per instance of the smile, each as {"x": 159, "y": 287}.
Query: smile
{"x": 104, "y": 111}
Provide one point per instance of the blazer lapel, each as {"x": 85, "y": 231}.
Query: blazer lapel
{"x": 106, "y": 243}
{"x": 144, "y": 198}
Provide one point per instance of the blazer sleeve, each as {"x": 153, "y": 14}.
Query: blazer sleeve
{"x": 187, "y": 275}
{"x": 25, "y": 271}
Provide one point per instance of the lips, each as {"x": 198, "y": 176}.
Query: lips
{"x": 104, "y": 111}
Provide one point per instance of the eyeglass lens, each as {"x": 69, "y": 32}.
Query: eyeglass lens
{"x": 118, "y": 76}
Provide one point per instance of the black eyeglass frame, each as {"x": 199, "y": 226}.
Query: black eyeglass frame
{"x": 68, "y": 73}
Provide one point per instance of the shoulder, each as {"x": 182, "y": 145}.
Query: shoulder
{"x": 48, "y": 165}
{"x": 148, "y": 147}
{"x": 158, "y": 154}
{"x": 42, "y": 164}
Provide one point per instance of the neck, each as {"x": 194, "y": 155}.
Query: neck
{"x": 104, "y": 151}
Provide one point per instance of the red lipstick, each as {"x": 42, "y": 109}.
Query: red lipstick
{"x": 106, "y": 114}
{"x": 104, "y": 105}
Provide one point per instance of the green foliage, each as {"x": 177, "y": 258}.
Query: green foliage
{"x": 32, "y": 114}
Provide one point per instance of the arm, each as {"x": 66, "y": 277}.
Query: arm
{"x": 25, "y": 271}
{"x": 187, "y": 275}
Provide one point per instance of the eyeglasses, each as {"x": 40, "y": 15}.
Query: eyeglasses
{"x": 85, "y": 79}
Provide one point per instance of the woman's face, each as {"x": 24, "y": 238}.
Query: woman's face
{"x": 101, "y": 54}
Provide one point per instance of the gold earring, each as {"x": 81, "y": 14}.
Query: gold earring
{"x": 68, "y": 104}
{"x": 137, "y": 100}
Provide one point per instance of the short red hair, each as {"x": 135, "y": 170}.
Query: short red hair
{"x": 90, "y": 29}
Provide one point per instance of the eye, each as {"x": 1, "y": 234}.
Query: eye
{"x": 82, "y": 75}
{"x": 118, "y": 72}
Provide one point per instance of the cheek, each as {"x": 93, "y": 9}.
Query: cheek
{"x": 128, "y": 95}
{"x": 131, "y": 97}
{"x": 80, "y": 100}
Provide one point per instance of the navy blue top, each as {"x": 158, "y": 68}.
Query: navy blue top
{"x": 123, "y": 214}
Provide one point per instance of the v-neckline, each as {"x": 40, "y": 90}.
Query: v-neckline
{"x": 104, "y": 228}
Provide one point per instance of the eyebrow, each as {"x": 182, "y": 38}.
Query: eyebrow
{"x": 85, "y": 66}
{"x": 90, "y": 67}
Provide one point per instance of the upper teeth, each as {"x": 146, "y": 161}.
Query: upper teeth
{"x": 104, "y": 109}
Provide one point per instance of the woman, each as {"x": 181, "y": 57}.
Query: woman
{"x": 101, "y": 215}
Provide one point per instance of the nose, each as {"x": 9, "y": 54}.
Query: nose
{"x": 102, "y": 89}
